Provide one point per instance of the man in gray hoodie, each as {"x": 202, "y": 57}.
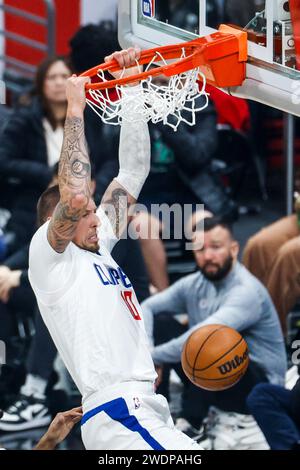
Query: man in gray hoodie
{"x": 222, "y": 291}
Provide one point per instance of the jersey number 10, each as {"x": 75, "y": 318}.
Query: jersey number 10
{"x": 127, "y": 297}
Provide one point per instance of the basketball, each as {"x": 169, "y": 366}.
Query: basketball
{"x": 215, "y": 357}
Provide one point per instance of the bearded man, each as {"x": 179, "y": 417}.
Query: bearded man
{"x": 224, "y": 292}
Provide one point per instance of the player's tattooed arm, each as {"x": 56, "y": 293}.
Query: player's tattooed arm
{"x": 116, "y": 204}
{"x": 74, "y": 175}
{"x": 74, "y": 178}
{"x": 134, "y": 156}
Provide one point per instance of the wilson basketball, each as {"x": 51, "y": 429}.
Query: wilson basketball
{"x": 215, "y": 357}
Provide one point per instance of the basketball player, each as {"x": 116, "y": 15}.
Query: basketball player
{"x": 87, "y": 301}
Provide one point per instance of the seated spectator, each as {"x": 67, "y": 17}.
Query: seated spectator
{"x": 273, "y": 256}
{"x": 277, "y": 412}
{"x": 221, "y": 292}
{"x": 42, "y": 352}
{"x": 16, "y": 295}
{"x": 180, "y": 173}
{"x": 31, "y": 143}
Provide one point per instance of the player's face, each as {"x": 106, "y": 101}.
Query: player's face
{"x": 86, "y": 236}
{"x": 55, "y": 82}
{"x": 216, "y": 255}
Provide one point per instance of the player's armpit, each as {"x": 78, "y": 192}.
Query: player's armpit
{"x": 116, "y": 204}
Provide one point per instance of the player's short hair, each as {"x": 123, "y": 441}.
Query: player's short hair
{"x": 47, "y": 203}
{"x": 209, "y": 223}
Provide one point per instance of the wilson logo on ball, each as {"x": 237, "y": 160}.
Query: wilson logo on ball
{"x": 215, "y": 357}
{"x": 233, "y": 364}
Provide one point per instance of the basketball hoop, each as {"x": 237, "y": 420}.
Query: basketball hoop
{"x": 218, "y": 59}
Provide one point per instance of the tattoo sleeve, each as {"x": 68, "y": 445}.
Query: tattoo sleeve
{"x": 74, "y": 166}
{"x": 74, "y": 178}
{"x": 115, "y": 203}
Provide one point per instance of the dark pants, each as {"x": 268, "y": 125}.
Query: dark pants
{"x": 21, "y": 300}
{"x": 196, "y": 401}
{"x": 272, "y": 407}
{"x": 42, "y": 351}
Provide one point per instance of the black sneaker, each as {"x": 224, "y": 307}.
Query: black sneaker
{"x": 26, "y": 413}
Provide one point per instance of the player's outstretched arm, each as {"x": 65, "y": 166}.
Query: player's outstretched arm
{"x": 134, "y": 152}
{"x": 74, "y": 175}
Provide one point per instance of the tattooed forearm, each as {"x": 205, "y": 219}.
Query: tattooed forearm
{"x": 74, "y": 166}
{"x": 63, "y": 226}
{"x": 74, "y": 180}
{"x": 115, "y": 203}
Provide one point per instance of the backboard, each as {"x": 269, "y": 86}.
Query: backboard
{"x": 273, "y": 27}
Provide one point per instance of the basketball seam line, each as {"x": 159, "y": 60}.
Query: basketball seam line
{"x": 222, "y": 378}
{"x": 221, "y": 357}
{"x": 211, "y": 334}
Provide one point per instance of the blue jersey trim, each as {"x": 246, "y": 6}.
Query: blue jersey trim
{"x": 118, "y": 411}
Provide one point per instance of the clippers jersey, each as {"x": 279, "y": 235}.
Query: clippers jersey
{"x": 91, "y": 311}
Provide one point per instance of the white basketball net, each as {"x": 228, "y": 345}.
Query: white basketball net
{"x": 172, "y": 103}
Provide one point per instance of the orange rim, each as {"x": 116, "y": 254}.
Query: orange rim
{"x": 212, "y": 54}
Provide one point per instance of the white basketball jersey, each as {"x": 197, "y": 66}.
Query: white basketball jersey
{"x": 90, "y": 308}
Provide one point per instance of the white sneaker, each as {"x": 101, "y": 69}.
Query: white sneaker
{"x": 198, "y": 435}
{"x": 184, "y": 426}
{"x": 234, "y": 431}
